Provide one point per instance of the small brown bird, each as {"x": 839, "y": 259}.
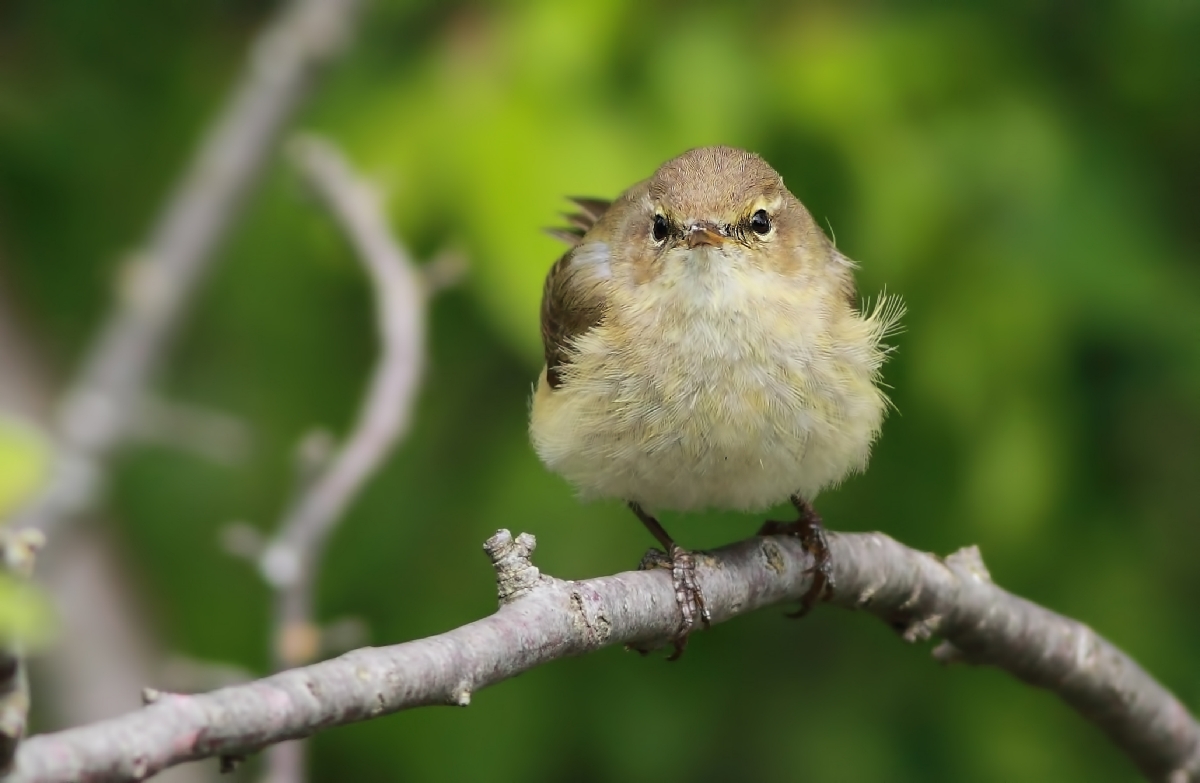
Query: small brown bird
{"x": 705, "y": 349}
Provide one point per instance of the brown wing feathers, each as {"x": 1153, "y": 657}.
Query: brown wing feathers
{"x": 570, "y": 306}
{"x": 591, "y": 211}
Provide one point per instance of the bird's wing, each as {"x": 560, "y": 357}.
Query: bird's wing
{"x": 591, "y": 209}
{"x": 573, "y": 302}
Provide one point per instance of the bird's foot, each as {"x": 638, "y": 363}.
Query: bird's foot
{"x": 688, "y": 596}
{"x": 809, "y": 530}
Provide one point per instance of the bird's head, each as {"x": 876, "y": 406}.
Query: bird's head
{"x": 714, "y": 207}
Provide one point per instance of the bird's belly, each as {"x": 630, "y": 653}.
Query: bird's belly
{"x": 720, "y": 445}
{"x": 739, "y": 429}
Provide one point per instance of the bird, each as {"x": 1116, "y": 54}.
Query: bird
{"x": 705, "y": 348}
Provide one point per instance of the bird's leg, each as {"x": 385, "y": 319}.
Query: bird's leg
{"x": 809, "y": 530}
{"x": 683, "y": 574}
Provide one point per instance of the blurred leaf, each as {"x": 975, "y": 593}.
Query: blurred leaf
{"x": 24, "y": 463}
{"x": 26, "y": 615}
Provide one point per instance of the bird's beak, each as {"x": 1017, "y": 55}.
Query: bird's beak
{"x": 705, "y": 234}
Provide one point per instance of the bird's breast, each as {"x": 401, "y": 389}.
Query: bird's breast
{"x": 720, "y": 364}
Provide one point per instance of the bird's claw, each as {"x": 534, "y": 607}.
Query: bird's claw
{"x": 812, "y": 537}
{"x": 688, "y": 595}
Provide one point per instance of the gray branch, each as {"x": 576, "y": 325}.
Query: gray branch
{"x": 955, "y": 599}
{"x": 384, "y": 416}
{"x": 542, "y": 619}
{"x": 162, "y": 278}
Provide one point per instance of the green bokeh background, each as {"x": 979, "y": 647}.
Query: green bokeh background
{"x": 1024, "y": 174}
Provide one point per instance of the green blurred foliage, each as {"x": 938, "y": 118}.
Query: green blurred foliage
{"x": 26, "y": 617}
{"x": 24, "y": 463}
{"x": 1023, "y": 174}
{"x": 25, "y": 613}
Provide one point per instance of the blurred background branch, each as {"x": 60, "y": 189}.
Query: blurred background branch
{"x": 289, "y": 561}
{"x": 103, "y": 650}
{"x": 160, "y": 280}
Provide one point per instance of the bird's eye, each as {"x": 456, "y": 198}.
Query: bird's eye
{"x": 760, "y": 223}
{"x": 661, "y": 228}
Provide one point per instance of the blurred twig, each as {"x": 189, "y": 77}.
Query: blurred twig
{"x": 211, "y": 434}
{"x": 288, "y": 560}
{"x": 543, "y": 619}
{"x": 444, "y": 271}
{"x": 331, "y": 479}
{"x": 18, "y": 550}
{"x": 162, "y": 278}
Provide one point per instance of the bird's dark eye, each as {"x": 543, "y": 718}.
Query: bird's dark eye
{"x": 760, "y": 223}
{"x": 661, "y": 228}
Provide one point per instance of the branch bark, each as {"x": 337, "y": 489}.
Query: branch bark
{"x": 541, "y": 619}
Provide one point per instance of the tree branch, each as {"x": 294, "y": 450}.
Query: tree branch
{"x": 289, "y": 561}
{"x": 97, "y": 412}
{"x": 543, "y": 619}
{"x": 981, "y": 623}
